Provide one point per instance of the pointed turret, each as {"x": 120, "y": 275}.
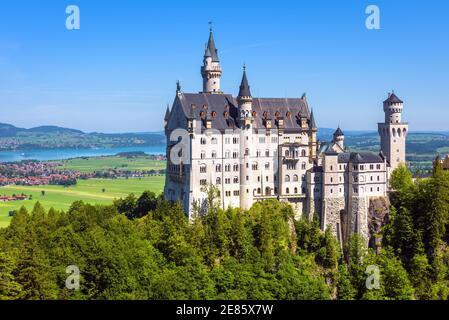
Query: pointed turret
{"x": 167, "y": 116}
{"x": 211, "y": 69}
{"x": 312, "y": 121}
{"x": 211, "y": 50}
{"x": 339, "y": 138}
{"x": 313, "y": 144}
{"x": 245, "y": 92}
{"x": 338, "y": 133}
{"x": 167, "y": 113}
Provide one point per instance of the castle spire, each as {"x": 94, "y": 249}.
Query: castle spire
{"x": 312, "y": 121}
{"x": 245, "y": 91}
{"x": 211, "y": 69}
{"x": 167, "y": 113}
{"x": 211, "y": 50}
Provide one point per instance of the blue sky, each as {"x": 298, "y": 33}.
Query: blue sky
{"x": 118, "y": 72}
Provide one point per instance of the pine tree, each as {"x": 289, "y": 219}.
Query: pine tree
{"x": 9, "y": 288}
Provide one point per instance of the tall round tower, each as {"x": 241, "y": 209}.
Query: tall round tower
{"x": 244, "y": 101}
{"x": 211, "y": 69}
{"x": 393, "y": 132}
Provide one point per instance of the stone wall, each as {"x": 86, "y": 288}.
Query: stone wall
{"x": 378, "y": 217}
{"x": 332, "y": 208}
{"x": 359, "y": 216}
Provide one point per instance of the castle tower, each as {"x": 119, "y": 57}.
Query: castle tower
{"x": 339, "y": 138}
{"x": 211, "y": 69}
{"x": 393, "y": 132}
{"x": 244, "y": 101}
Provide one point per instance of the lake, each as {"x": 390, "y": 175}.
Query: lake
{"x": 61, "y": 154}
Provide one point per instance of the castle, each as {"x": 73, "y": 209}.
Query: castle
{"x": 254, "y": 149}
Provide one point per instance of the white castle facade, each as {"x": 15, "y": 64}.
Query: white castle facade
{"x": 253, "y": 149}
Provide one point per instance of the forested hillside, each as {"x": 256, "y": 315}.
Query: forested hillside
{"x": 145, "y": 248}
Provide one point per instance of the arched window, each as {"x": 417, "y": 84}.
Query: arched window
{"x": 287, "y": 191}
{"x": 228, "y": 168}
{"x": 203, "y": 168}
{"x": 303, "y": 166}
{"x": 236, "y": 167}
{"x": 236, "y": 180}
{"x": 218, "y": 181}
{"x": 295, "y": 178}
{"x": 203, "y": 155}
{"x": 303, "y": 153}
{"x": 268, "y": 191}
{"x": 287, "y": 178}
{"x": 296, "y": 190}
{"x": 218, "y": 168}
{"x": 287, "y": 153}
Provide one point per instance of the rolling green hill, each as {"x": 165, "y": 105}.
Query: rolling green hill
{"x": 53, "y": 137}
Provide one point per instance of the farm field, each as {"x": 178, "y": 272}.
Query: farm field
{"x": 86, "y": 165}
{"x": 90, "y": 191}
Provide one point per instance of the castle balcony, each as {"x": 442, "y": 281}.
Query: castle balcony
{"x": 291, "y": 157}
{"x": 292, "y": 196}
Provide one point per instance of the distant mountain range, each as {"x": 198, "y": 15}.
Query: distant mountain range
{"x": 54, "y": 137}
{"x": 8, "y": 130}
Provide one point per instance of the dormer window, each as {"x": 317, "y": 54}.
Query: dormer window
{"x": 268, "y": 124}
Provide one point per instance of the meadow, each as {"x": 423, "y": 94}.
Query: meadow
{"x": 140, "y": 163}
{"x": 94, "y": 191}
{"x": 89, "y": 191}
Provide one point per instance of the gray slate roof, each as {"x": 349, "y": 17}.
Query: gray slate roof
{"x": 360, "y": 157}
{"x": 244, "y": 87}
{"x": 213, "y": 52}
{"x": 289, "y": 109}
{"x": 338, "y": 133}
{"x": 393, "y": 98}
